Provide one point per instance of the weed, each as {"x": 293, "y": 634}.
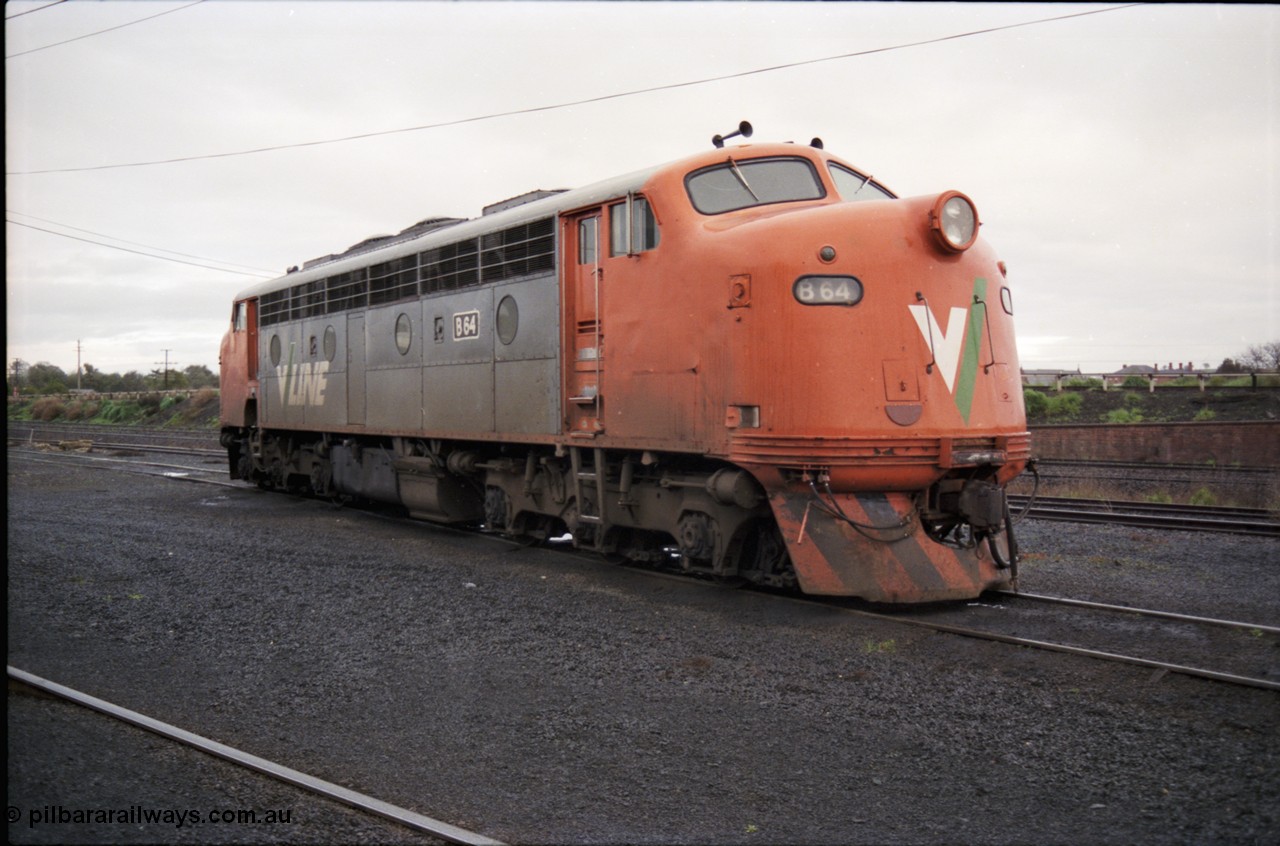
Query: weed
{"x": 1203, "y": 497}
{"x": 1122, "y": 415}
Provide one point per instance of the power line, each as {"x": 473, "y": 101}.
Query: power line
{"x": 140, "y": 253}
{"x": 99, "y": 32}
{"x": 37, "y": 9}
{"x": 136, "y": 244}
{"x": 566, "y": 105}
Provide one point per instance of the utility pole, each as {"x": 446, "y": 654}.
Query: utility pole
{"x": 166, "y": 368}
{"x": 77, "y": 365}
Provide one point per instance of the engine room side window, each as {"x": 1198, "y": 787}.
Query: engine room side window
{"x": 738, "y": 185}
{"x": 854, "y": 187}
{"x": 640, "y": 236}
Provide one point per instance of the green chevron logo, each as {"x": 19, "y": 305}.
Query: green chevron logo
{"x": 957, "y": 346}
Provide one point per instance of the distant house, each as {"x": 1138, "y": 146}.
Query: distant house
{"x": 1047, "y": 378}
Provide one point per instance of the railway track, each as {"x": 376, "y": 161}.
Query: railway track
{"x": 1242, "y": 521}
{"x": 1229, "y": 651}
{"x": 175, "y": 440}
{"x": 1055, "y": 467}
{"x": 279, "y": 772}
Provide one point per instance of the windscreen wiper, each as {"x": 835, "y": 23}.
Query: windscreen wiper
{"x": 742, "y": 179}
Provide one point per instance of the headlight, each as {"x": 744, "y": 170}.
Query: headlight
{"x": 954, "y": 221}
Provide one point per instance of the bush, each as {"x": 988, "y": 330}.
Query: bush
{"x": 1037, "y": 404}
{"x": 1091, "y": 384}
{"x": 1135, "y": 382}
{"x": 1122, "y": 415}
{"x": 116, "y": 411}
{"x": 82, "y": 410}
{"x": 1066, "y": 405}
{"x": 1204, "y": 415}
{"x": 47, "y": 408}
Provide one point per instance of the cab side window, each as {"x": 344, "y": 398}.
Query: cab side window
{"x": 632, "y": 227}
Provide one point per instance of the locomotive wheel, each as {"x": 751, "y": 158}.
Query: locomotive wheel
{"x": 759, "y": 555}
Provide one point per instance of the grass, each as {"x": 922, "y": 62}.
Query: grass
{"x": 198, "y": 408}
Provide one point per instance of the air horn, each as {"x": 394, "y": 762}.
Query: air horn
{"x": 744, "y": 129}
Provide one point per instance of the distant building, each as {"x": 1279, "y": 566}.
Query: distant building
{"x": 1047, "y": 378}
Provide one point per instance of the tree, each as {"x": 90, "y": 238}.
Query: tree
{"x": 166, "y": 380}
{"x": 1230, "y": 366}
{"x": 131, "y": 381}
{"x": 94, "y": 379}
{"x": 45, "y": 378}
{"x": 1262, "y": 356}
{"x": 200, "y": 376}
{"x": 17, "y": 375}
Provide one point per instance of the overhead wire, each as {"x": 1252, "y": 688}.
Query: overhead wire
{"x": 33, "y": 11}
{"x": 135, "y": 243}
{"x": 570, "y": 104}
{"x": 99, "y": 32}
{"x": 141, "y": 253}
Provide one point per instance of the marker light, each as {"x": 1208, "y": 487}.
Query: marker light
{"x": 954, "y": 221}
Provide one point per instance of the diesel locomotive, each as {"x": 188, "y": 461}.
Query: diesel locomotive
{"x": 757, "y": 361}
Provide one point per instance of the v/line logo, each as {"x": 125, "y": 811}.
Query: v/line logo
{"x": 956, "y": 348}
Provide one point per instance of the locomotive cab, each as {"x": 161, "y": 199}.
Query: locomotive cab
{"x": 238, "y": 360}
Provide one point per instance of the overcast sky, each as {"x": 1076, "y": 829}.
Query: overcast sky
{"x": 1124, "y": 164}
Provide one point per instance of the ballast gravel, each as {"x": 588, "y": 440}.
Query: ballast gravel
{"x": 539, "y": 697}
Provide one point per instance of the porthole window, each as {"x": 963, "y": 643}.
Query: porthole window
{"x": 1006, "y": 300}
{"x": 330, "y": 343}
{"x": 404, "y": 333}
{"x": 508, "y": 320}
{"x": 275, "y": 350}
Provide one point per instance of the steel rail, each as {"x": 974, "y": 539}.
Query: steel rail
{"x": 170, "y": 450}
{"x": 328, "y": 789}
{"x": 1248, "y": 681}
{"x": 1110, "y": 512}
{"x": 1130, "y": 505}
{"x": 1225, "y": 469}
{"x": 1144, "y": 612}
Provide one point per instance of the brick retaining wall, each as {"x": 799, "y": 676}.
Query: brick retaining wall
{"x": 1255, "y": 444}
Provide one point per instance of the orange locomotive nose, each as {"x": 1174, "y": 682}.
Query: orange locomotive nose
{"x": 882, "y": 361}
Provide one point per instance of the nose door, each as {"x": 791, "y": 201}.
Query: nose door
{"x": 584, "y": 278}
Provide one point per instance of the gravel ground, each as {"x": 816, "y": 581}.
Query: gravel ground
{"x": 543, "y": 698}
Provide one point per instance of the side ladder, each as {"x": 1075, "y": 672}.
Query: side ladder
{"x": 590, "y": 477}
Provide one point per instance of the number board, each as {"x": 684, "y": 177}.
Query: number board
{"x": 466, "y": 325}
{"x": 827, "y": 290}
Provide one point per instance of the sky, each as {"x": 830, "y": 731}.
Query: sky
{"x": 1124, "y": 163}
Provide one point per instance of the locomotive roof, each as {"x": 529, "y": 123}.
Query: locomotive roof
{"x": 414, "y": 240}
{"x": 461, "y": 231}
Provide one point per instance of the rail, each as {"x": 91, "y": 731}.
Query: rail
{"x": 1238, "y": 521}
